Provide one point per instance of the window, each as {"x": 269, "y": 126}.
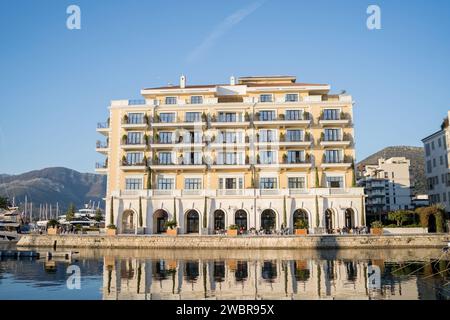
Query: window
{"x": 231, "y": 183}
{"x": 230, "y": 137}
{"x": 333, "y": 156}
{"x": 434, "y": 162}
{"x": 229, "y": 158}
{"x": 296, "y": 183}
{"x": 167, "y": 117}
{"x": 267, "y": 136}
{"x": 165, "y": 158}
{"x": 194, "y": 137}
{"x": 335, "y": 182}
{"x": 393, "y": 176}
{"x": 196, "y": 99}
{"x": 294, "y": 135}
{"x": 267, "y": 115}
{"x": 134, "y": 158}
{"x": 386, "y": 176}
{"x": 133, "y": 184}
{"x": 192, "y": 158}
{"x": 165, "y": 137}
{"x": 193, "y": 183}
{"x": 268, "y": 183}
{"x": 171, "y": 100}
{"x": 227, "y": 117}
{"x": 291, "y": 97}
{"x": 429, "y": 169}
{"x": 331, "y": 114}
{"x": 267, "y": 157}
{"x": 294, "y": 115}
{"x": 265, "y": 98}
{"x": 439, "y": 144}
{"x": 427, "y": 149}
{"x": 193, "y": 117}
{"x": 296, "y": 156}
{"x": 432, "y": 145}
{"x": 332, "y": 135}
{"x": 134, "y": 138}
{"x": 165, "y": 183}
{"x": 441, "y": 160}
{"x": 444, "y": 197}
{"x": 135, "y": 118}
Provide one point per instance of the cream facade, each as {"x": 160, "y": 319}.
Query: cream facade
{"x": 436, "y": 165}
{"x": 387, "y": 185}
{"x": 259, "y": 152}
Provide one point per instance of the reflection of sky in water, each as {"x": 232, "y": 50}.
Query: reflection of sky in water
{"x": 117, "y": 277}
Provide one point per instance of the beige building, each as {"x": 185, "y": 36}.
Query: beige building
{"x": 387, "y": 185}
{"x": 259, "y": 152}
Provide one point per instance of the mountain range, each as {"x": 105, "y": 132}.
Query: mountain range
{"x": 52, "y": 185}
{"x": 414, "y": 154}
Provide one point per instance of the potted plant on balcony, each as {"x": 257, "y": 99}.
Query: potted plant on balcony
{"x": 111, "y": 230}
{"x": 282, "y": 137}
{"x": 124, "y": 139}
{"x": 233, "y": 230}
{"x": 124, "y": 161}
{"x": 246, "y": 117}
{"x": 301, "y": 227}
{"x": 52, "y": 227}
{"x": 307, "y": 136}
{"x": 125, "y": 119}
{"x": 146, "y": 139}
{"x": 171, "y": 226}
{"x": 376, "y": 228}
{"x": 285, "y": 157}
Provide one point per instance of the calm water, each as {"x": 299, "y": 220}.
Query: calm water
{"x": 233, "y": 274}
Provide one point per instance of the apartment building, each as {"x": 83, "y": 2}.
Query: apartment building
{"x": 259, "y": 152}
{"x": 436, "y": 165}
{"x": 387, "y": 185}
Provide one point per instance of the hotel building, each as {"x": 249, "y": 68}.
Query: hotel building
{"x": 259, "y": 152}
{"x": 436, "y": 165}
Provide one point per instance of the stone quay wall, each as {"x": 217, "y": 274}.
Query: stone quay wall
{"x": 239, "y": 242}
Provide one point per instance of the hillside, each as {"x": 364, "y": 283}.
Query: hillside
{"x": 53, "y": 185}
{"x": 414, "y": 154}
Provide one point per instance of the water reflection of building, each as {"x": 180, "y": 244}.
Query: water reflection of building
{"x": 237, "y": 279}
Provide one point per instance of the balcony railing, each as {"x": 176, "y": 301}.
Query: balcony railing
{"x": 103, "y": 125}
{"x": 101, "y": 145}
{"x": 101, "y": 165}
{"x": 339, "y": 116}
{"x": 346, "y": 159}
{"x": 142, "y": 163}
{"x": 136, "y": 102}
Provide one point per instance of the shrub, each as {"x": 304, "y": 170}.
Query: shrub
{"x": 171, "y": 224}
{"x": 112, "y": 226}
{"x": 400, "y": 216}
{"x": 376, "y": 224}
{"x": 301, "y": 224}
{"x": 53, "y": 223}
{"x": 233, "y": 227}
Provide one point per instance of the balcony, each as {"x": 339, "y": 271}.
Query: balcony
{"x": 296, "y": 163}
{"x": 346, "y": 162}
{"x": 101, "y": 167}
{"x": 141, "y": 124}
{"x": 179, "y": 165}
{"x": 103, "y": 128}
{"x": 136, "y": 166}
{"x": 224, "y": 122}
{"x": 157, "y": 143}
{"x": 235, "y": 165}
{"x": 102, "y": 147}
{"x": 179, "y": 123}
{"x": 344, "y": 141}
{"x": 281, "y": 120}
{"x": 134, "y": 145}
{"x": 302, "y": 141}
{"x": 341, "y": 120}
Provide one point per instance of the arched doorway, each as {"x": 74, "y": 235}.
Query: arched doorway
{"x": 192, "y": 221}
{"x": 219, "y": 220}
{"x": 299, "y": 215}
{"x": 268, "y": 220}
{"x": 160, "y": 218}
{"x": 128, "y": 221}
{"x": 349, "y": 218}
{"x": 329, "y": 220}
{"x": 240, "y": 219}
{"x": 431, "y": 223}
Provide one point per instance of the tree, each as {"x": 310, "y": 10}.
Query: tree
{"x": 70, "y": 214}
{"x": 437, "y": 211}
{"x": 205, "y": 222}
{"x": 140, "y": 212}
{"x": 175, "y": 209}
{"x": 111, "y": 212}
{"x": 400, "y": 216}
{"x": 317, "y": 212}
{"x": 284, "y": 212}
{"x": 98, "y": 215}
{"x": 317, "y": 178}
{"x": 4, "y": 203}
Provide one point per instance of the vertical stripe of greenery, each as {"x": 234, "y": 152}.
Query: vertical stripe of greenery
{"x": 175, "y": 209}
{"x": 353, "y": 173}
{"x": 284, "y": 212}
{"x": 140, "y": 212}
{"x": 205, "y": 212}
{"x": 317, "y": 213}
{"x": 317, "y": 178}
{"x": 111, "y": 212}
{"x": 149, "y": 179}
{"x": 363, "y": 212}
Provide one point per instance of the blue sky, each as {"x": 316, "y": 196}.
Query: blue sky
{"x": 56, "y": 84}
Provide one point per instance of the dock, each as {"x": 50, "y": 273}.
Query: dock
{"x": 48, "y": 255}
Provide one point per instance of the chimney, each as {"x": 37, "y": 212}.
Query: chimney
{"x": 232, "y": 80}
{"x": 182, "y": 81}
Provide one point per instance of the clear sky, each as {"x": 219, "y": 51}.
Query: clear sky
{"x": 56, "y": 83}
